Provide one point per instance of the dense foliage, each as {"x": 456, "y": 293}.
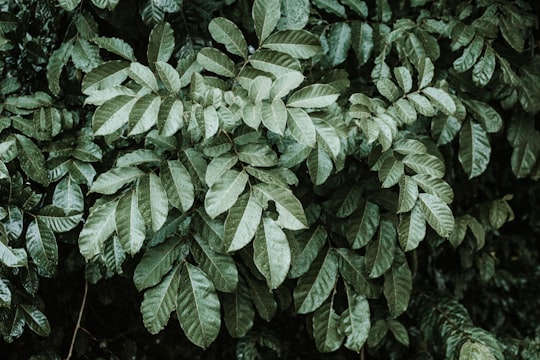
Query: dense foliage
{"x": 308, "y": 178}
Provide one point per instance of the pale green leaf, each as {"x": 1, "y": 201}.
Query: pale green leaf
{"x": 294, "y": 14}
{"x": 437, "y": 213}
{"x": 435, "y": 186}
{"x": 405, "y": 111}
{"x": 470, "y": 55}
{"x": 224, "y": 192}
{"x": 486, "y": 116}
{"x": 31, "y": 160}
{"x": 59, "y": 219}
{"x": 289, "y": 208}
{"x": 42, "y": 247}
{"x": 474, "y": 149}
{"x": 472, "y": 350}
{"x": 404, "y": 78}
{"x": 112, "y": 115}
{"x": 69, "y": 5}
{"x": 155, "y": 263}
{"x": 153, "y": 201}
{"x": 300, "y": 44}
{"x": 314, "y": 287}
{"x": 266, "y": 14}
{"x": 425, "y": 73}
{"x": 259, "y": 89}
{"x": 359, "y": 7}
{"x": 352, "y": 268}
{"x": 380, "y": 251}
{"x": 36, "y": 320}
{"x": 241, "y": 223}
{"x": 138, "y": 157}
{"x": 57, "y": 61}
{"x": 170, "y": 116}
{"x": 238, "y": 311}
{"x": 13, "y": 257}
{"x": 113, "y": 255}
{"x": 178, "y": 185}
{"x": 362, "y": 41}
{"x": 161, "y": 43}
{"x": 411, "y": 229}
{"x": 143, "y": 76}
{"x": 168, "y": 76}
{"x": 305, "y": 248}
{"x": 160, "y": 301}
{"x": 408, "y": 193}
{"x": 326, "y": 332}
{"x": 285, "y": 83}
{"x": 130, "y": 225}
{"x": 220, "y": 268}
{"x": 319, "y": 165}
{"x": 388, "y": 89}
{"x": 111, "y": 181}
{"x": 339, "y": 42}
{"x": 391, "y": 172}
{"x": 198, "y": 307}
{"x": 116, "y": 46}
{"x": 99, "y": 226}
{"x": 399, "y": 331}
{"x": 421, "y": 104}
{"x": 444, "y": 128}
{"x": 425, "y": 164}
{"x": 274, "y": 62}
{"x": 274, "y": 116}
{"x": 110, "y": 73}
{"x": 68, "y": 195}
{"x": 217, "y": 62}
{"x": 301, "y": 126}
{"x": 84, "y": 55}
{"x": 313, "y": 96}
{"x": 484, "y": 68}
{"x": 99, "y": 97}
{"x": 355, "y": 321}
{"x": 441, "y": 99}
{"x": 363, "y": 225}
{"x": 331, "y": 6}
{"x": 227, "y": 33}
{"x": 397, "y": 288}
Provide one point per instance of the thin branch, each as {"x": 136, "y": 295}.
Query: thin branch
{"x": 78, "y": 325}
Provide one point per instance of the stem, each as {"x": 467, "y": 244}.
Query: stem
{"x": 78, "y": 325}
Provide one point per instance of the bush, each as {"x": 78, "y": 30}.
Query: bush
{"x": 310, "y": 178}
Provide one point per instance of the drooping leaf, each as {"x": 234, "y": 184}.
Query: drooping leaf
{"x": 300, "y": 44}
{"x": 397, "y": 288}
{"x": 99, "y": 226}
{"x": 474, "y": 149}
{"x": 399, "y": 331}
{"x": 161, "y": 43}
{"x": 57, "y": 61}
{"x": 12, "y": 257}
{"x": 425, "y": 72}
{"x": 362, "y": 41}
{"x": 160, "y": 301}
{"x": 305, "y": 248}
{"x": 314, "y": 287}
{"x": 178, "y": 184}
{"x": 266, "y": 14}
{"x": 352, "y": 267}
{"x": 42, "y": 247}
{"x": 130, "y": 225}
{"x": 241, "y": 223}
{"x": 215, "y": 61}
{"x": 220, "y": 268}
{"x": 412, "y": 229}
{"x": 363, "y": 225}
{"x": 32, "y": 160}
{"x": 224, "y": 192}
{"x": 262, "y": 298}
{"x": 484, "y": 68}
{"x": 238, "y": 310}
{"x": 437, "y": 213}
{"x": 289, "y": 208}
{"x": 355, "y": 320}
{"x": 470, "y": 55}
{"x": 198, "y": 307}
{"x": 339, "y": 43}
{"x": 380, "y": 251}
{"x": 486, "y": 116}
{"x": 408, "y": 193}
{"x": 227, "y": 33}
{"x": 111, "y": 181}
{"x": 326, "y": 332}
{"x": 36, "y": 320}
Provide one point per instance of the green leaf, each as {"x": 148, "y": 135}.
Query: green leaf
{"x": 314, "y": 287}
{"x": 301, "y": 126}
{"x": 470, "y": 55}
{"x": 57, "y": 61}
{"x": 285, "y": 83}
{"x": 227, "y": 33}
{"x": 42, "y": 247}
{"x": 116, "y": 46}
{"x": 441, "y": 99}
{"x": 319, "y": 165}
{"x": 426, "y": 71}
{"x": 412, "y": 229}
{"x": 238, "y": 311}
{"x": 114, "y": 256}
{"x": 31, "y": 160}
{"x": 104, "y": 76}
{"x": 143, "y": 76}
{"x": 355, "y": 321}
{"x": 472, "y": 350}
{"x": 445, "y": 128}
{"x": 220, "y": 268}
{"x": 155, "y": 263}
{"x": 217, "y": 62}
{"x": 486, "y": 116}
{"x": 112, "y": 115}
{"x": 153, "y": 201}
{"x": 300, "y": 44}
{"x": 198, "y": 307}
{"x": 397, "y": 288}
{"x": 144, "y": 114}
{"x": 294, "y": 14}
{"x": 130, "y": 225}
{"x": 242, "y": 222}
{"x": 404, "y": 78}
{"x": 195, "y": 164}
{"x": 161, "y": 43}
{"x": 271, "y": 253}
{"x": 252, "y": 114}
{"x": 390, "y": 172}
{"x": 399, "y": 331}
{"x": 289, "y": 208}
{"x": 326, "y": 332}
{"x": 274, "y": 116}
{"x": 5, "y": 294}
{"x": 313, "y": 96}
{"x": 405, "y": 111}
{"x": 168, "y": 76}
{"x": 362, "y": 41}
{"x": 484, "y": 68}
{"x": 435, "y": 186}
{"x": 262, "y": 298}
{"x": 363, "y": 225}
{"x": 99, "y": 226}
{"x": 421, "y": 104}
{"x": 388, "y": 89}
{"x": 274, "y": 62}
{"x": 266, "y": 14}
{"x": 259, "y": 89}
{"x": 68, "y": 195}
{"x": 84, "y": 55}
{"x": 170, "y": 118}
{"x": 511, "y": 32}
{"x": 59, "y": 219}
{"x": 69, "y": 5}
{"x": 36, "y": 320}
{"x": 13, "y": 257}
{"x": 160, "y": 301}
{"x": 87, "y": 151}
{"x": 331, "y": 6}
{"x": 408, "y": 193}
{"x": 474, "y": 149}
{"x": 305, "y": 248}
{"x": 359, "y": 7}
{"x": 437, "y": 213}
{"x": 138, "y": 157}
{"x": 178, "y": 185}
{"x": 224, "y": 192}
{"x": 111, "y": 181}
{"x": 339, "y": 42}
{"x": 352, "y": 268}
{"x": 425, "y": 164}
{"x": 380, "y": 251}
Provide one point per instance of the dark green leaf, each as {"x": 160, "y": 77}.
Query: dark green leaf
{"x": 380, "y": 251}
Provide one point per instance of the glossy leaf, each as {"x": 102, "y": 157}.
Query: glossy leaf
{"x": 112, "y": 115}
{"x": 130, "y": 225}
{"x": 220, "y": 268}
{"x": 355, "y": 321}
{"x": 32, "y": 160}
{"x": 326, "y": 332}
{"x": 238, "y": 310}
{"x": 300, "y": 44}
{"x": 266, "y": 14}
{"x": 178, "y": 184}
{"x": 274, "y": 62}
{"x": 116, "y": 46}
{"x": 224, "y": 192}
{"x": 99, "y": 226}
{"x": 437, "y": 213}
{"x": 301, "y": 126}
{"x": 111, "y": 181}
{"x": 215, "y": 61}
{"x": 227, "y": 33}
{"x": 42, "y": 247}
{"x": 289, "y": 208}
{"x": 380, "y": 251}
{"x": 304, "y": 249}
{"x": 363, "y": 225}
{"x": 161, "y": 43}
{"x": 474, "y": 149}
{"x": 241, "y": 223}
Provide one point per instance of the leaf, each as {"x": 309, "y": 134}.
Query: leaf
{"x": 470, "y": 55}
{"x": 441, "y": 99}
{"x": 31, "y": 160}
{"x": 130, "y": 225}
{"x": 36, "y": 320}
{"x": 437, "y": 213}
{"x": 241, "y": 223}
{"x": 238, "y": 310}
{"x": 352, "y": 269}
{"x": 155, "y": 263}
{"x": 99, "y": 226}
{"x": 112, "y": 115}
{"x": 289, "y": 208}
{"x": 300, "y": 44}
{"x": 69, "y": 5}
{"x": 274, "y": 62}
{"x": 397, "y": 288}
{"x": 421, "y": 104}
{"x": 425, "y": 164}
{"x": 313, "y": 96}
{"x": 486, "y": 116}
{"x": 390, "y": 172}
{"x": 161, "y": 43}
{"x": 294, "y": 14}
{"x": 408, "y": 193}
{"x": 363, "y": 225}
{"x": 178, "y": 185}
{"x": 215, "y": 61}
{"x": 331, "y": 6}
{"x": 170, "y": 116}
{"x": 484, "y": 68}
{"x": 116, "y": 46}
{"x": 445, "y": 128}
{"x": 474, "y": 149}
{"x": 227, "y": 33}
{"x": 314, "y": 287}
{"x": 380, "y": 251}
{"x": 160, "y": 301}
{"x": 326, "y": 332}
{"x": 425, "y": 73}
{"x": 399, "y": 331}
{"x": 84, "y": 55}
{"x": 220, "y": 268}
{"x": 5, "y": 294}
{"x": 262, "y": 298}
{"x": 305, "y": 248}
{"x": 12, "y": 257}
{"x": 138, "y": 157}
{"x": 362, "y": 41}
{"x": 168, "y": 76}
{"x": 57, "y": 61}
{"x": 42, "y": 247}
{"x": 285, "y": 83}
{"x": 301, "y": 126}
{"x": 143, "y": 76}
{"x": 355, "y": 321}
{"x": 266, "y": 14}
{"x": 472, "y": 350}
{"x": 274, "y": 116}
{"x": 435, "y": 186}
{"x": 388, "y": 89}
{"x": 511, "y": 33}
{"x": 111, "y": 181}
{"x": 198, "y": 308}
{"x": 405, "y": 111}
{"x": 319, "y": 165}
{"x": 339, "y": 43}
{"x": 87, "y": 151}
{"x": 153, "y": 201}
{"x": 404, "y": 78}
{"x": 68, "y": 195}
{"x": 412, "y": 229}
{"x": 59, "y": 219}
{"x": 224, "y": 192}
{"x": 104, "y": 76}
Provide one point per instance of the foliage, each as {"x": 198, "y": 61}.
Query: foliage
{"x": 338, "y": 175}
